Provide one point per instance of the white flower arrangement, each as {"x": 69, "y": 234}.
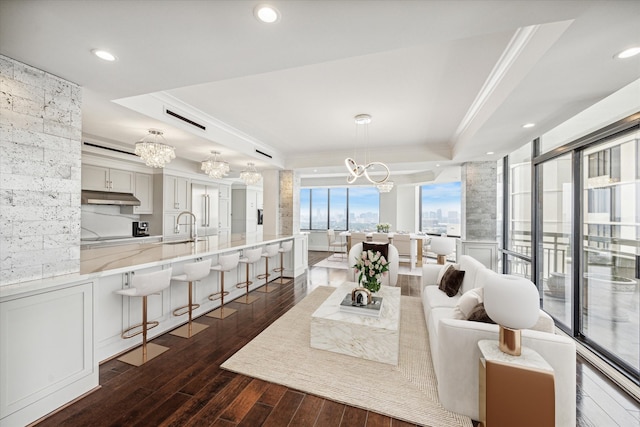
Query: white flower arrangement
{"x": 371, "y": 266}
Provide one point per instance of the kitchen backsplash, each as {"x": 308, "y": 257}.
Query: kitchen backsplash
{"x": 105, "y": 221}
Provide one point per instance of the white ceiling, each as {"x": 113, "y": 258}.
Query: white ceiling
{"x": 445, "y": 81}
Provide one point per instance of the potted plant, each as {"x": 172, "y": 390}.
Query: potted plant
{"x": 383, "y": 227}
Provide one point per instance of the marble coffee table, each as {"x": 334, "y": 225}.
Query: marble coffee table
{"x": 372, "y": 338}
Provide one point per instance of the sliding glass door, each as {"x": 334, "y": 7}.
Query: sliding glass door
{"x": 610, "y": 314}
{"x": 556, "y": 239}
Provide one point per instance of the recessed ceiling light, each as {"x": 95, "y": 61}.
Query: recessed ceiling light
{"x": 628, "y": 53}
{"x": 103, "y": 54}
{"x": 266, "y": 13}
{"x": 528, "y": 125}
{"x": 438, "y": 165}
{"x": 489, "y": 153}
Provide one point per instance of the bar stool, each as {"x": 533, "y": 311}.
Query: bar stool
{"x": 225, "y": 263}
{"x": 270, "y": 251}
{"x": 286, "y": 247}
{"x": 251, "y": 256}
{"x": 192, "y": 273}
{"x": 143, "y": 285}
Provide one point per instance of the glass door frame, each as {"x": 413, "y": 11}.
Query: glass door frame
{"x": 575, "y": 149}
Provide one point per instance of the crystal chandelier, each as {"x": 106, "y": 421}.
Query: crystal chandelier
{"x": 356, "y": 170}
{"x": 385, "y": 187}
{"x": 155, "y": 154}
{"x": 215, "y": 168}
{"x": 250, "y": 175}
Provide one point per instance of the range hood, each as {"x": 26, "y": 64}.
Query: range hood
{"x": 90, "y": 197}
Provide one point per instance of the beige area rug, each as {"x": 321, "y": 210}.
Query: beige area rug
{"x": 281, "y": 354}
{"x": 335, "y": 261}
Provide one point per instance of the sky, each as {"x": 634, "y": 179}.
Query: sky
{"x": 446, "y": 196}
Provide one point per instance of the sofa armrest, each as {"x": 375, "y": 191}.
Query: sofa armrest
{"x": 430, "y": 274}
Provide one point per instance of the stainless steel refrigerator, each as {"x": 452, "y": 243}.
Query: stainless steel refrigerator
{"x": 204, "y": 204}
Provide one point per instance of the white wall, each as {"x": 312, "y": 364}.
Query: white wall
{"x": 389, "y": 207}
{"x": 407, "y": 209}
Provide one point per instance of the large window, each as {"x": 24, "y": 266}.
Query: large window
{"x": 339, "y": 208}
{"x": 441, "y": 208}
{"x": 587, "y": 239}
{"x": 364, "y": 208}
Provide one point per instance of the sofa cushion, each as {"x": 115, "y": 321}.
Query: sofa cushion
{"x": 483, "y": 276}
{"x": 451, "y": 281}
{"x": 471, "y": 267}
{"x": 436, "y": 298}
{"x": 467, "y": 302}
{"x": 433, "y": 297}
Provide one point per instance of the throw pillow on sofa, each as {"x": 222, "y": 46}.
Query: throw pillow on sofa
{"x": 444, "y": 269}
{"x": 451, "y": 281}
{"x": 479, "y": 314}
{"x": 467, "y": 303}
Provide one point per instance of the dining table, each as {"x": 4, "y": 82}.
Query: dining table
{"x": 416, "y": 250}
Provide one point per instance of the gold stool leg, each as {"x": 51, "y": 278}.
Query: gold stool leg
{"x": 248, "y": 299}
{"x": 266, "y": 278}
{"x": 146, "y": 352}
{"x": 191, "y": 328}
{"x": 220, "y": 312}
{"x": 281, "y": 280}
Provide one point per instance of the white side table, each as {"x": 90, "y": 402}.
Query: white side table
{"x": 515, "y": 390}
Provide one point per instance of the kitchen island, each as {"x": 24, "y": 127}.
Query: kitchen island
{"x": 55, "y": 332}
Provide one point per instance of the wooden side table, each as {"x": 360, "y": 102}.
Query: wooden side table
{"x": 515, "y": 390}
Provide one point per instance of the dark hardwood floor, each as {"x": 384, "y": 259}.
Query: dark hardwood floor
{"x": 185, "y": 386}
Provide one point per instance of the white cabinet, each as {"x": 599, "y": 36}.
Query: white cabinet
{"x": 224, "y": 211}
{"x": 47, "y": 351}
{"x": 245, "y": 206}
{"x": 115, "y": 313}
{"x": 108, "y": 313}
{"x": 177, "y": 193}
{"x": 101, "y": 178}
{"x": 144, "y": 193}
{"x": 170, "y": 229}
{"x": 484, "y": 251}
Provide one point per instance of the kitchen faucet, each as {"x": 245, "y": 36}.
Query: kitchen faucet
{"x": 194, "y": 227}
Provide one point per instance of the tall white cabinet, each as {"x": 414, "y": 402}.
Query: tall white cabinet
{"x": 224, "y": 212}
{"x": 244, "y": 210}
{"x": 176, "y": 198}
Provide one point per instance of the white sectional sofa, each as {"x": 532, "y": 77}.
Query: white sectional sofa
{"x": 455, "y": 351}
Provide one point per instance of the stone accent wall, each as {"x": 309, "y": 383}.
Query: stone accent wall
{"x": 40, "y": 160}
{"x": 479, "y": 201}
{"x": 289, "y": 205}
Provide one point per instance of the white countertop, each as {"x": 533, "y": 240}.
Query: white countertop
{"x": 100, "y": 261}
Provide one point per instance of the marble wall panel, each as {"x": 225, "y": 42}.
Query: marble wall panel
{"x": 21, "y": 274}
{"x": 479, "y": 201}
{"x": 20, "y": 243}
{"x": 40, "y": 147}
